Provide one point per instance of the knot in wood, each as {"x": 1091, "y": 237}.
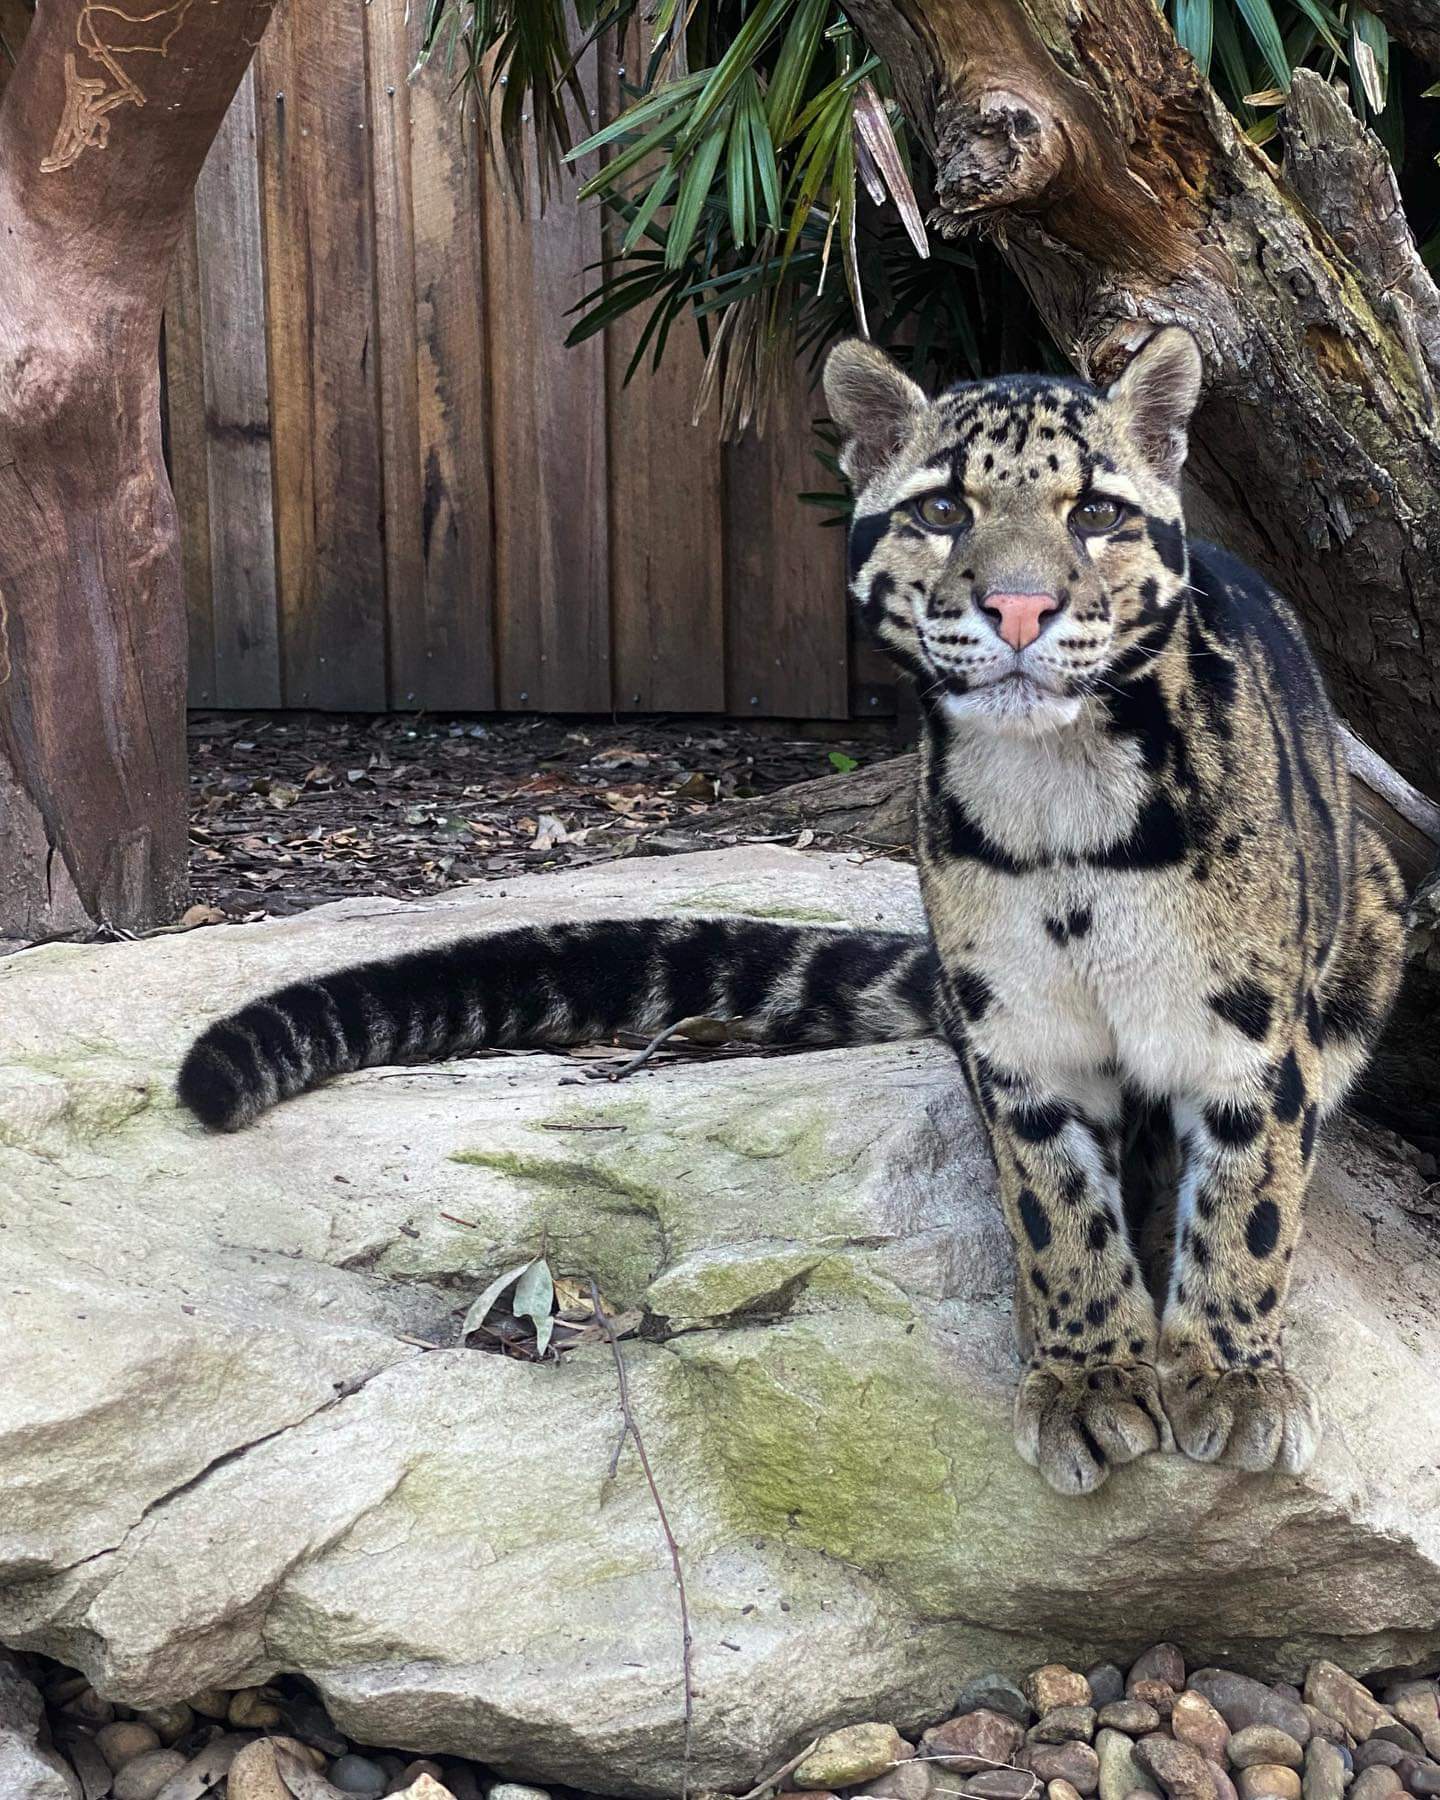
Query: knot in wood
{"x": 998, "y": 149}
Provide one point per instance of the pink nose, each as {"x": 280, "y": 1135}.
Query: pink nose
{"x": 1019, "y": 617}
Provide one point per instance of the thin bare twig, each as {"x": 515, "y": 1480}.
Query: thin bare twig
{"x": 583, "y": 1127}
{"x": 698, "y": 1029}
{"x": 641, "y": 1057}
{"x": 970, "y": 1794}
{"x": 1036, "y": 1784}
{"x": 772, "y": 1781}
{"x": 632, "y": 1430}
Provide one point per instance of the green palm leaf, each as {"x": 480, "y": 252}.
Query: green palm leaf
{"x": 1370, "y": 56}
{"x": 1195, "y": 29}
{"x": 1259, "y": 17}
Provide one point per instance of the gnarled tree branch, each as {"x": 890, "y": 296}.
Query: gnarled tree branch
{"x": 1120, "y": 188}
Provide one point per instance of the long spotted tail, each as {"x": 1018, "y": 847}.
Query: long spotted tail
{"x": 561, "y": 984}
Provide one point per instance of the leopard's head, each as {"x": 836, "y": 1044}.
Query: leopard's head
{"x": 1016, "y": 543}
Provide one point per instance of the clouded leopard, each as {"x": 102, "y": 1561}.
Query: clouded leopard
{"x": 1160, "y": 941}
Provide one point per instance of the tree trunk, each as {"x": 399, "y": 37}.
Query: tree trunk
{"x": 1121, "y": 190}
{"x": 104, "y": 125}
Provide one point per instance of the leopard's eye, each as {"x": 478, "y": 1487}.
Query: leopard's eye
{"x": 1096, "y": 515}
{"x": 942, "y": 512}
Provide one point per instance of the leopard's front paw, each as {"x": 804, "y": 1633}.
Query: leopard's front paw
{"x": 1075, "y": 1425}
{"x": 1249, "y": 1418}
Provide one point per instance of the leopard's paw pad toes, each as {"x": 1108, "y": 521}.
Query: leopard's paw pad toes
{"x": 1250, "y": 1419}
{"x": 1076, "y": 1425}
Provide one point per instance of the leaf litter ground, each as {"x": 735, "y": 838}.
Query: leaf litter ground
{"x": 289, "y": 811}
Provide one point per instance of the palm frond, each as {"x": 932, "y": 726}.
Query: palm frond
{"x": 762, "y": 186}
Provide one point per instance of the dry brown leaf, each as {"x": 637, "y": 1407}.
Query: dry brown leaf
{"x": 204, "y": 1771}
{"x": 572, "y": 1298}
{"x": 704, "y": 1031}
{"x": 303, "y": 1781}
{"x": 200, "y": 915}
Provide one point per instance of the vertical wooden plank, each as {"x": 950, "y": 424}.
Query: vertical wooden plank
{"x": 387, "y": 37}
{"x": 189, "y": 474}
{"x": 667, "y": 584}
{"x": 785, "y": 608}
{"x": 873, "y": 678}
{"x": 287, "y": 326}
{"x": 548, "y": 449}
{"x": 320, "y": 291}
{"x": 237, "y": 413}
{"x": 442, "y": 640}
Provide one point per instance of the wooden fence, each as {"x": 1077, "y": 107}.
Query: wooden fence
{"x": 399, "y": 489}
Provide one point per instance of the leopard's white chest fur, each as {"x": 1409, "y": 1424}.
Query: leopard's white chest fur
{"x": 1089, "y": 965}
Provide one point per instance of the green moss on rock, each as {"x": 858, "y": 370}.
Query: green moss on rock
{"x": 745, "y": 1281}
{"x": 739, "y": 902}
{"x": 590, "y": 1216}
{"x": 98, "y": 1108}
{"x": 626, "y": 1191}
{"x": 845, "y": 1436}
{"x": 85, "y": 1102}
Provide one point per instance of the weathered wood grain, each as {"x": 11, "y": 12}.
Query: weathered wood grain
{"x": 417, "y": 495}
{"x": 548, "y": 450}
{"x": 667, "y": 537}
{"x": 320, "y": 291}
{"x": 184, "y": 372}
{"x": 785, "y": 608}
{"x": 443, "y": 637}
{"x": 388, "y": 61}
{"x": 92, "y": 604}
{"x": 245, "y": 622}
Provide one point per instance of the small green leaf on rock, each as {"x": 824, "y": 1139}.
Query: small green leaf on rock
{"x": 534, "y": 1297}
{"x": 480, "y": 1311}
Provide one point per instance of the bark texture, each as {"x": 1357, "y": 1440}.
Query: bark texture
{"x": 1122, "y": 192}
{"x": 1416, "y": 23}
{"x": 104, "y": 125}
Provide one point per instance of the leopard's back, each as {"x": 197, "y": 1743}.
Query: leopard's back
{"x": 1314, "y": 886}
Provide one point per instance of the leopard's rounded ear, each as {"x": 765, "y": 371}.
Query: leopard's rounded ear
{"x": 1157, "y": 394}
{"x": 875, "y": 404}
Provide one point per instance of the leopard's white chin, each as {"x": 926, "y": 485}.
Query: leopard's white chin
{"x": 1016, "y": 706}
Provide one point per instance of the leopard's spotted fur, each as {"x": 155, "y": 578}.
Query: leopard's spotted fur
{"x": 1144, "y": 880}
{"x": 1162, "y": 944}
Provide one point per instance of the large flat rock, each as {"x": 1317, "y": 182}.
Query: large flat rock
{"x": 225, "y": 1452}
